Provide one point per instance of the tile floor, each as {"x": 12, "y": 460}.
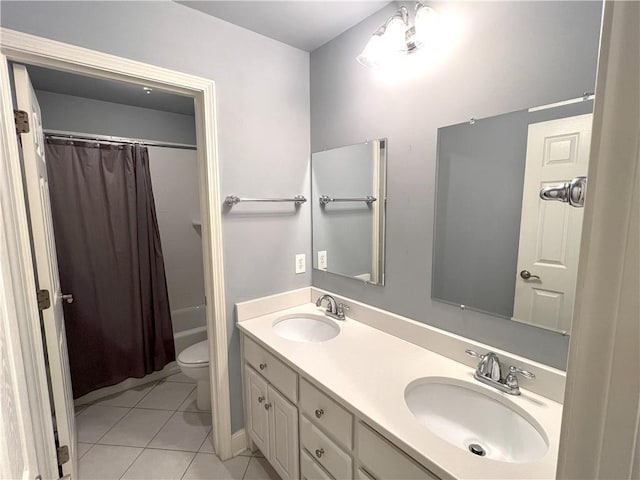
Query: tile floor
{"x": 156, "y": 432}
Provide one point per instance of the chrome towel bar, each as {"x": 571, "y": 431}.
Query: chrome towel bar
{"x": 369, "y": 199}
{"x": 234, "y": 199}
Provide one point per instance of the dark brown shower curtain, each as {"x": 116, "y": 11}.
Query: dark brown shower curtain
{"x": 110, "y": 259}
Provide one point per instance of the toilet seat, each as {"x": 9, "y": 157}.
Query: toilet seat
{"x": 196, "y": 355}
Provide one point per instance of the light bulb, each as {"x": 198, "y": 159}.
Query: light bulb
{"x": 374, "y": 52}
{"x": 395, "y": 34}
{"x": 426, "y": 21}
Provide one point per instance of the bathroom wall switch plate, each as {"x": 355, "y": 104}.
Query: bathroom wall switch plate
{"x": 322, "y": 260}
{"x": 301, "y": 266}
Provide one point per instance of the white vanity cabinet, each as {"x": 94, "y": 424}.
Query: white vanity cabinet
{"x": 331, "y": 443}
{"x": 379, "y": 459}
{"x": 272, "y": 420}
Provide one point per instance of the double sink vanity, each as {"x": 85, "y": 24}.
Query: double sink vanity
{"x": 371, "y": 395}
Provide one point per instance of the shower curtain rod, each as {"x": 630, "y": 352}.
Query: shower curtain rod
{"x": 108, "y": 138}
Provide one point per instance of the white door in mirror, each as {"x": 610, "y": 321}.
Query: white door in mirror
{"x": 550, "y": 232}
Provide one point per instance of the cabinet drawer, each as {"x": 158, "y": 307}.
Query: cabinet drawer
{"x": 326, "y": 413}
{"x": 385, "y": 461}
{"x": 336, "y": 461}
{"x": 276, "y": 372}
{"x": 310, "y": 470}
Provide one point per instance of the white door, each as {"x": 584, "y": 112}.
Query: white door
{"x": 35, "y": 175}
{"x": 283, "y": 435}
{"x": 550, "y": 232}
{"x": 258, "y": 421}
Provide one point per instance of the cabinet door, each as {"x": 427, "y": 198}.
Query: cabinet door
{"x": 258, "y": 421}
{"x": 283, "y": 430}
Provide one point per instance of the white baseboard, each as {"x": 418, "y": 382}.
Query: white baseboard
{"x": 238, "y": 442}
{"x": 169, "y": 369}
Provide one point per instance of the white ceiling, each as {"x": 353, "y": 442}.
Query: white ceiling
{"x": 306, "y": 25}
{"x": 108, "y": 91}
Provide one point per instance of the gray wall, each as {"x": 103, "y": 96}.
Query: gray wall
{"x": 478, "y": 207}
{"x": 344, "y": 230}
{"x": 85, "y": 115}
{"x": 504, "y": 57}
{"x": 262, "y": 89}
{"x": 175, "y": 180}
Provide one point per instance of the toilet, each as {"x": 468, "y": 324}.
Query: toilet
{"x": 194, "y": 363}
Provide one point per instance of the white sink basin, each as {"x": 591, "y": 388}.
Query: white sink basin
{"x": 306, "y": 328}
{"x": 480, "y": 423}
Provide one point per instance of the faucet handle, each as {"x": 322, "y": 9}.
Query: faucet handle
{"x": 342, "y": 308}
{"x": 525, "y": 373}
{"x": 474, "y": 354}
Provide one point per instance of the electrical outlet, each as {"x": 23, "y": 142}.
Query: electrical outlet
{"x": 322, "y": 260}
{"x": 301, "y": 266}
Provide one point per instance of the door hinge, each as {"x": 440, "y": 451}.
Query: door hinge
{"x": 22, "y": 121}
{"x": 44, "y": 299}
{"x": 63, "y": 454}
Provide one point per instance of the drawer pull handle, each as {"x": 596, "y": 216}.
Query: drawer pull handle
{"x": 263, "y": 366}
{"x": 319, "y": 412}
{"x": 260, "y": 399}
{"x": 267, "y": 406}
{"x": 319, "y": 452}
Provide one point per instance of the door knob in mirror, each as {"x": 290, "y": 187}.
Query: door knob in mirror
{"x": 526, "y": 275}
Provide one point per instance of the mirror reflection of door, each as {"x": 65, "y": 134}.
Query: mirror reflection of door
{"x": 550, "y": 232}
{"x": 498, "y": 248}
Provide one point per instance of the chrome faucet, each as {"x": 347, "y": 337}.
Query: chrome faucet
{"x": 334, "y": 309}
{"x": 490, "y": 372}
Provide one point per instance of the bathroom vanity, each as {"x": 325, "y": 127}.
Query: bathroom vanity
{"x": 326, "y": 398}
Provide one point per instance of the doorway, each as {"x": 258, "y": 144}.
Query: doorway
{"x": 24, "y": 48}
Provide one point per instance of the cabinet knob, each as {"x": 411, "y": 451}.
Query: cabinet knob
{"x": 267, "y": 406}
{"x": 319, "y": 452}
{"x": 319, "y": 412}
{"x": 260, "y": 399}
{"x": 263, "y": 366}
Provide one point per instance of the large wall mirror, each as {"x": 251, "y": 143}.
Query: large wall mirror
{"x": 499, "y": 248}
{"x": 348, "y": 210}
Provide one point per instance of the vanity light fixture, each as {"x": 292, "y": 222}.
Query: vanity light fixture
{"x": 398, "y": 37}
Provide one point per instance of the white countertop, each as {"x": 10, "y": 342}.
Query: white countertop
{"x": 368, "y": 370}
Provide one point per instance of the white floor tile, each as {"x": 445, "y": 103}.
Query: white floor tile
{"x": 167, "y": 396}
{"x": 159, "y": 465}
{"x": 94, "y": 422}
{"x": 106, "y": 462}
{"x": 83, "y": 448}
{"x": 260, "y": 469}
{"x": 128, "y": 398}
{"x": 137, "y": 428}
{"x": 207, "y": 445}
{"x": 190, "y": 404}
{"x": 184, "y": 431}
{"x": 180, "y": 378}
{"x": 209, "y": 467}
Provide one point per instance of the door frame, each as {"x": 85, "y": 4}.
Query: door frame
{"x": 33, "y": 50}
{"x": 601, "y": 414}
